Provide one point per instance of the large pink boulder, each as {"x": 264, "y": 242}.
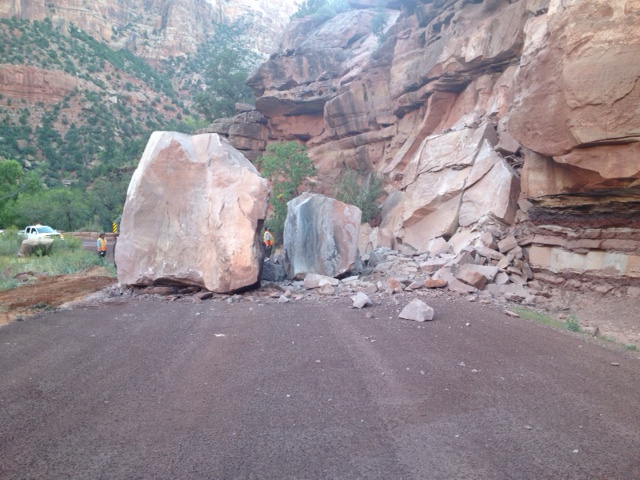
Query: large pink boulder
{"x": 193, "y": 213}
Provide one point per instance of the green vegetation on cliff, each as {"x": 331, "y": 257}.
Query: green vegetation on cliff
{"x": 363, "y": 192}
{"x": 226, "y": 62}
{"x": 79, "y": 124}
{"x": 78, "y": 114}
{"x": 288, "y": 167}
{"x": 321, "y": 9}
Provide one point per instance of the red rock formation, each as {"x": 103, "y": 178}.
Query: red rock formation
{"x": 36, "y": 85}
{"x": 551, "y": 89}
{"x": 157, "y": 29}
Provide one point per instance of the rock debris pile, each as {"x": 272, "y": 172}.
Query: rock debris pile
{"x": 493, "y": 271}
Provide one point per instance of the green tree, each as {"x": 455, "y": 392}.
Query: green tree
{"x": 321, "y": 9}
{"x": 363, "y": 193}
{"x": 10, "y": 176}
{"x": 106, "y": 197}
{"x": 13, "y": 183}
{"x": 288, "y": 167}
{"x": 227, "y": 68}
{"x": 62, "y": 208}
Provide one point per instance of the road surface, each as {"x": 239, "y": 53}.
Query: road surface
{"x": 154, "y": 389}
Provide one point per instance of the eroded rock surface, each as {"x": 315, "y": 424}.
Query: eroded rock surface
{"x": 320, "y": 236}
{"x": 477, "y": 115}
{"x": 157, "y": 29}
{"x": 193, "y": 215}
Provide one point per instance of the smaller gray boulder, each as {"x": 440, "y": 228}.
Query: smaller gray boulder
{"x": 272, "y": 272}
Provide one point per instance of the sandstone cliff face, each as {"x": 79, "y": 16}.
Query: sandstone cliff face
{"x": 157, "y": 29}
{"x": 518, "y": 114}
{"x": 37, "y": 85}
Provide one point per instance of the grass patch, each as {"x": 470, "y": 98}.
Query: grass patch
{"x": 631, "y": 347}
{"x": 65, "y": 257}
{"x": 537, "y": 316}
{"x": 572, "y": 324}
{"x": 10, "y": 243}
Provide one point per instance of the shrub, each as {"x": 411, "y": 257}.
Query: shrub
{"x": 322, "y": 10}
{"x": 69, "y": 244}
{"x": 363, "y": 193}
{"x": 377, "y": 25}
{"x": 287, "y": 166}
{"x": 10, "y": 242}
{"x": 572, "y": 324}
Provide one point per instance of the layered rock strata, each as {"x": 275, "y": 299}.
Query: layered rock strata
{"x": 158, "y": 29}
{"x": 518, "y": 115}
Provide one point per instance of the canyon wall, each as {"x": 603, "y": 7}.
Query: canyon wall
{"x": 516, "y": 116}
{"x": 157, "y": 29}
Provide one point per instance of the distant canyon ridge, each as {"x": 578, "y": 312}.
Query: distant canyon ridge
{"x": 158, "y": 29}
{"x": 519, "y": 116}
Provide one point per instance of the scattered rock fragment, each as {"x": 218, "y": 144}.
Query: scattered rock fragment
{"x": 204, "y": 295}
{"x": 327, "y": 289}
{"x": 418, "y": 311}
{"x": 435, "y": 283}
{"x": 315, "y": 280}
{"x": 160, "y": 290}
{"x": 395, "y": 285}
{"x": 507, "y": 244}
{"x": 361, "y": 300}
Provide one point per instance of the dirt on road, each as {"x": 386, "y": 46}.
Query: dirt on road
{"x": 43, "y": 293}
{"x": 614, "y": 319}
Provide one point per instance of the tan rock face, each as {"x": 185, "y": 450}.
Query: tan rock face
{"x": 468, "y": 110}
{"x": 157, "y": 29}
{"x": 246, "y": 131}
{"x": 577, "y": 86}
{"x": 37, "y": 85}
{"x": 193, "y": 214}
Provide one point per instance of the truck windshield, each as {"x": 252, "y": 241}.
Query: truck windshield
{"x": 45, "y": 230}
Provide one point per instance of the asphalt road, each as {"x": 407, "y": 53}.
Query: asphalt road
{"x": 152, "y": 389}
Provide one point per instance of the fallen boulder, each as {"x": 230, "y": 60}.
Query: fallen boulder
{"x": 320, "y": 236}
{"x": 32, "y": 246}
{"x": 192, "y": 216}
{"x": 272, "y": 272}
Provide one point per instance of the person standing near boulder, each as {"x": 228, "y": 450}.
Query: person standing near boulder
{"x": 267, "y": 238}
{"x": 102, "y": 246}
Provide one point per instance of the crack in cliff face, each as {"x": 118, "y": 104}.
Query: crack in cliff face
{"x": 621, "y": 140}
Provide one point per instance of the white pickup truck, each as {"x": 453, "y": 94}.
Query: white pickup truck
{"x": 40, "y": 231}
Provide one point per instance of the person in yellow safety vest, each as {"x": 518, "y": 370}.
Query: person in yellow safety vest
{"x": 267, "y": 238}
{"x": 102, "y": 246}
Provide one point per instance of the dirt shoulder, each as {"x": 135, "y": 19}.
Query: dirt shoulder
{"x": 42, "y": 293}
